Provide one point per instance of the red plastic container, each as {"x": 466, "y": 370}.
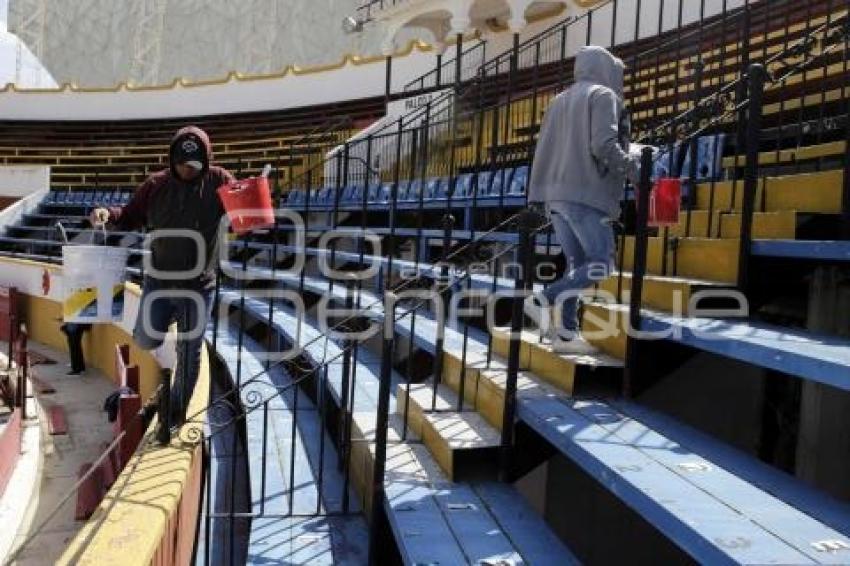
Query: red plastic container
{"x": 665, "y": 200}
{"x": 248, "y": 204}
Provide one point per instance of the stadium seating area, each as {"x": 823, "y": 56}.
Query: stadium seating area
{"x": 459, "y": 415}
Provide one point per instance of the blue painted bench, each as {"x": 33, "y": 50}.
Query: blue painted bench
{"x": 712, "y": 515}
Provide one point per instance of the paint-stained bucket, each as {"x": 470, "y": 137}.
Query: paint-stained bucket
{"x": 93, "y": 283}
{"x": 248, "y": 204}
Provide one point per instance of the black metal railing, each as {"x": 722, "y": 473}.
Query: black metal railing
{"x": 386, "y": 179}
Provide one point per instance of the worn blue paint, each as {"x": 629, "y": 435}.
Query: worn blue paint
{"x": 763, "y": 476}
{"x": 292, "y": 540}
{"x": 525, "y": 528}
{"x": 423, "y": 523}
{"x": 794, "y": 528}
{"x": 703, "y": 526}
{"x": 825, "y": 359}
{"x": 816, "y": 250}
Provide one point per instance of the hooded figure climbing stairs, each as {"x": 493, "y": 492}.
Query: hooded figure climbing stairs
{"x": 580, "y": 164}
{"x": 180, "y": 276}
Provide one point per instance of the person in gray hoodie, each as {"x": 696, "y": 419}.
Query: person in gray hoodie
{"x": 580, "y": 164}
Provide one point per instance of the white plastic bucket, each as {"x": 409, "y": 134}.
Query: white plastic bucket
{"x": 93, "y": 283}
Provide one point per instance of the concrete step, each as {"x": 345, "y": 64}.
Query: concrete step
{"x": 463, "y": 443}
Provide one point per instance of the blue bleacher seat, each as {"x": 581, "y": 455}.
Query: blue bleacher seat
{"x": 316, "y": 197}
{"x": 323, "y": 195}
{"x": 437, "y": 188}
{"x": 374, "y": 192}
{"x": 519, "y": 181}
{"x": 501, "y": 180}
{"x": 414, "y": 190}
{"x": 482, "y": 184}
{"x": 62, "y": 197}
{"x": 463, "y": 186}
{"x": 126, "y": 196}
{"x": 384, "y": 192}
{"x": 401, "y": 194}
{"x": 355, "y": 194}
{"x": 97, "y": 200}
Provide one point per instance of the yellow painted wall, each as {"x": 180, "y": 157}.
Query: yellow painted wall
{"x": 43, "y": 318}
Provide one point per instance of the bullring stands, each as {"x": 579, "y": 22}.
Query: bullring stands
{"x": 638, "y": 441}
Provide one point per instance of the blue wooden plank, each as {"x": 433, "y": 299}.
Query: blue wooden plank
{"x": 478, "y": 535}
{"x": 419, "y": 527}
{"x": 528, "y": 532}
{"x": 290, "y": 541}
{"x": 701, "y": 525}
{"x": 785, "y": 522}
{"x": 821, "y": 250}
{"x": 825, "y": 359}
{"x": 797, "y": 493}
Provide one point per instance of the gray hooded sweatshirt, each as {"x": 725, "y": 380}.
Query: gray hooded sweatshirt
{"x": 581, "y": 154}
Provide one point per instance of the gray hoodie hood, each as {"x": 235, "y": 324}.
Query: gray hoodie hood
{"x": 582, "y": 149}
{"x": 596, "y": 65}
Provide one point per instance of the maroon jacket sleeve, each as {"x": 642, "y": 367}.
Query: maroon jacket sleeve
{"x": 134, "y": 214}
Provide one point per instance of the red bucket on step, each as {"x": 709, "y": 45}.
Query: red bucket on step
{"x": 665, "y": 200}
{"x": 248, "y": 204}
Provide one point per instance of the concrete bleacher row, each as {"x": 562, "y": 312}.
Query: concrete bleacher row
{"x": 474, "y": 521}
{"x": 703, "y": 500}
{"x": 583, "y": 431}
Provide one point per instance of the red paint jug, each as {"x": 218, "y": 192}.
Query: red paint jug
{"x": 664, "y": 202}
{"x": 248, "y": 204}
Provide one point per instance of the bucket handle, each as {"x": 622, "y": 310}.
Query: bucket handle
{"x": 102, "y": 231}
{"x": 62, "y": 231}
{"x": 240, "y": 186}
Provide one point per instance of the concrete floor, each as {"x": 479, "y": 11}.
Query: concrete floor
{"x": 82, "y": 397}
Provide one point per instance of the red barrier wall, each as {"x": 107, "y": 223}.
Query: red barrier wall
{"x": 10, "y": 448}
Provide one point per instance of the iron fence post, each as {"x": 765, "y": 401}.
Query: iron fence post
{"x": 521, "y": 286}
{"x": 756, "y": 75}
{"x": 381, "y": 425}
{"x": 445, "y": 294}
{"x": 638, "y": 270}
{"x": 163, "y": 433}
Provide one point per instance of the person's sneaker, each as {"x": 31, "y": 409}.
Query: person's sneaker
{"x": 567, "y": 342}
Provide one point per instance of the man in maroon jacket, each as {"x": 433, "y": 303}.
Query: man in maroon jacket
{"x": 181, "y": 210}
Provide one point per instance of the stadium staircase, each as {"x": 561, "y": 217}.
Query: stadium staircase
{"x": 427, "y": 433}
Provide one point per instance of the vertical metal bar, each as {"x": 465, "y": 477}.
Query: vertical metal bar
{"x": 638, "y": 270}
{"x": 345, "y": 421}
{"x": 321, "y": 386}
{"x": 520, "y": 290}
{"x": 692, "y": 150}
{"x": 265, "y": 452}
{"x": 207, "y": 447}
{"x": 614, "y": 24}
{"x": 722, "y": 71}
{"x": 845, "y": 192}
{"x": 292, "y": 437}
{"x": 393, "y": 210}
{"x": 381, "y": 425}
{"x": 388, "y": 78}
{"x": 163, "y": 435}
{"x": 740, "y": 97}
{"x": 273, "y": 259}
{"x": 755, "y": 78}
{"x": 439, "y": 343}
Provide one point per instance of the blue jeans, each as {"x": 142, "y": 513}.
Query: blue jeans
{"x": 191, "y": 311}
{"x": 587, "y": 242}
